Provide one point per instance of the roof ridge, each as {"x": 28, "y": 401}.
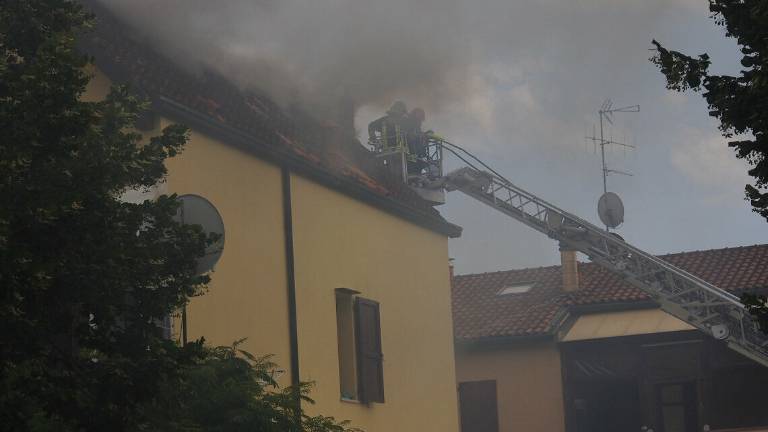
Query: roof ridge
{"x": 757, "y": 245}
{"x": 507, "y": 271}
{"x": 248, "y": 118}
{"x": 479, "y": 312}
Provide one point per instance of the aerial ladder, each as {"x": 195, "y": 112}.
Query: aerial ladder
{"x": 679, "y": 293}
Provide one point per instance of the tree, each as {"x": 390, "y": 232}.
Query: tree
{"x": 739, "y": 102}
{"x": 231, "y": 390}
{"x": 86, "y": 277}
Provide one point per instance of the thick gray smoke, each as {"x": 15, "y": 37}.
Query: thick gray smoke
{"x": 522, "y": 72}
{"x": 492, "y": 67}
{"x": 515, "y": 81}
{"x": 312, "y": 52}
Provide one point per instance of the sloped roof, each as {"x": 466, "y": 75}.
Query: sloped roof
{"x": 252, "y": 121}
{"x": 479, "y": 313}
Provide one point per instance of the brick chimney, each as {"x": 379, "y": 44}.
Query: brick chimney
{"x": 570, "y": 268}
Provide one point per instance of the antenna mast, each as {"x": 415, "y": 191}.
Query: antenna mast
{"x": 606, "y": 113}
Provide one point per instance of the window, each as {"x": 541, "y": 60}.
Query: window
{"x": 358, "y": 328}
{"x": 676, "y": 404}
{"x": 516, "y": 289}
{"x": 345, "y": 331}
{"x": 370, "y": 384}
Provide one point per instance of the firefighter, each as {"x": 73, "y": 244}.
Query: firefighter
{"x": 390, "y": 127}
{"x": 414, "y": 135}
{"x": 416, "y": 140}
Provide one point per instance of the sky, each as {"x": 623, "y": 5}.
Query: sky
{"x": 517, "y": 82}
{"x": 537, "y": 90}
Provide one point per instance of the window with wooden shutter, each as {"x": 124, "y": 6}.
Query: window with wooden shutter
{"x": 370, "y": 374}
{"x": 345, "y": 331}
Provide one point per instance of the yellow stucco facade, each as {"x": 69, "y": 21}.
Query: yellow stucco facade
{"x": 338, "y": 242}
{"x": 623, "y": 323}
{"x": 528, "y": 379}
{"x": 342, "y": 243}
{"x": 529, "y": 376}
{"x": 247, "y": 296}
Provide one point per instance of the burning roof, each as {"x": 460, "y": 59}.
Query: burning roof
{"x": 253, "y": 122}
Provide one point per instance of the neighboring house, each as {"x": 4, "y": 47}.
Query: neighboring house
{"x": 547, "y": 350}
{"x": 330, "y": 264}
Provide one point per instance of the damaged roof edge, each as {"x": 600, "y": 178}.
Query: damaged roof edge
{"x": 250, "y": 122}
{"x": 280, "y": 156}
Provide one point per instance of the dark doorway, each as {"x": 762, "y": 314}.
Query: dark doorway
{"x": 606, "y": 405}
{"x": 478, "y": 406}
{"x": 676, "y": 404}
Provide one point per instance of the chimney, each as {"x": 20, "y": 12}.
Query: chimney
{"x": 570, "y": 268}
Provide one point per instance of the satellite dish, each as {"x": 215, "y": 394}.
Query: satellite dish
{"x": 610, "y": 209}
{"x": 196, "y": 210}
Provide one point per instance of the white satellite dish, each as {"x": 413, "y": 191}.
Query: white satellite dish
{"x": 610, "y": 209}
{"x": 196, "y": 210}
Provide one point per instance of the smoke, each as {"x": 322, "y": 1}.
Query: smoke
{"x": 515, "y": 81}
{"x": 495, "y": 71}
{"x": 314, "y": 53}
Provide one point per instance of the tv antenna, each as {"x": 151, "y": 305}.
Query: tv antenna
{"x": 610, "y": 203}
{"x": 605, "y": 113}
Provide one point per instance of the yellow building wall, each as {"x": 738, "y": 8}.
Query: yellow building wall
{"x": 624, "y": 323}
{"x": 339, "y": 242}
{"x": 98, "y": 87}
{"x": 247, "y": 296}
{"x": 343, "y": 243}
{"x": 528, "y": 384}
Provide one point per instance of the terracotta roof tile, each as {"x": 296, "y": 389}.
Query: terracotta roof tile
{"x": 479, "y": 313}
{"x": 125, "y": 59}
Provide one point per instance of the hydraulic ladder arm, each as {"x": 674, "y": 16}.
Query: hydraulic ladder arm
{"x": 687, "y": 297}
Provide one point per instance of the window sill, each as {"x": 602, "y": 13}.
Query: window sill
{"x": 349, "y": 400}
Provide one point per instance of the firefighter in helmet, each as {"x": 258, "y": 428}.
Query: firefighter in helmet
{"x": 414, "y": 135}
{"x": 416, "y": 140}
{"x": 388, "y": 131}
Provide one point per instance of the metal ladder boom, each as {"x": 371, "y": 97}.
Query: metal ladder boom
{"x": 679, "y": 293}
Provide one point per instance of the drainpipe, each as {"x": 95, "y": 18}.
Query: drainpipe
{"x": 290, "y": 275}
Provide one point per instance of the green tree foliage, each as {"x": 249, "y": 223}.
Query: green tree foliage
{"x": 85, "y": 277}
{"x": 231, "y": 390}
{"x": 739, "y": 102}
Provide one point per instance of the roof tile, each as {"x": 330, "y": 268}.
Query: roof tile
{"x": 124, "y": 58}
{"x": 479, "y": 313}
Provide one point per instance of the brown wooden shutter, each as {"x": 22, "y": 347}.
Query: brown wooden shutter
{"x": 370, "y": 374}
{"x": 478, "y": 407}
